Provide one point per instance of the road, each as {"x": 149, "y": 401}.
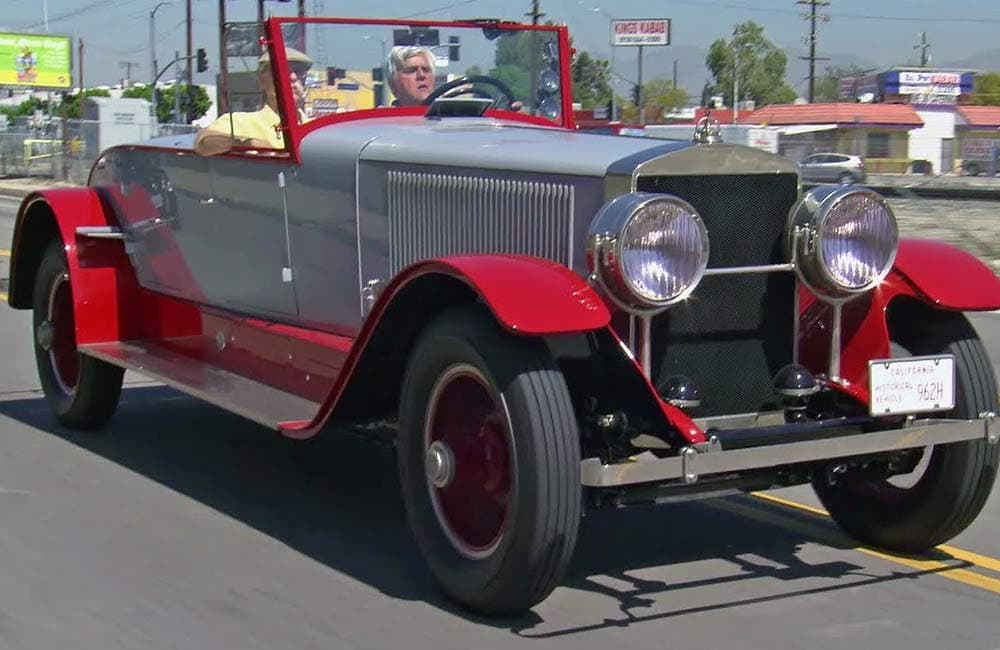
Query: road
{"x": 186, "y": 527}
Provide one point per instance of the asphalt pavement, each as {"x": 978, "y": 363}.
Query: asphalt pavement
{"x": 183, "y": 526}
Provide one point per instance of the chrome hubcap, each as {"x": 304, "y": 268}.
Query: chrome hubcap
{"x": 43, "y": 334}
{"x": 440, "y": 464}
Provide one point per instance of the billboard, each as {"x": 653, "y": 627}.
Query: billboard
{"x": 640, "y": 31}
{"x": 35, "y": 61}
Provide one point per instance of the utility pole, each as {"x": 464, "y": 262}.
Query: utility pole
{"x": 222, "y": 92}
{"x": 302, "y": 28}
{"x": 812, "y": 17}
{"x": 79, "y": 57}
{"x": 736, "y": 83}
{"x": 127, "y": 66}
{"x": 177, "y": 88}
{"x": 923, "y": 46}
{"x": 153, "y": 63}
{"x": 536, "y": 14}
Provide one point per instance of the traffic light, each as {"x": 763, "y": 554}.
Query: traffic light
{"x": 332, "y": 74}
{"x": 453, "y": 45}
{"x": 636, "y": 94}
{"x": 202, "y": 60}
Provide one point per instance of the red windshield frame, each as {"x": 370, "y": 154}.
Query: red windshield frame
{"x": 294, "y": 131}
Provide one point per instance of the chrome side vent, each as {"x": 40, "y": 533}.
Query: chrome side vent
{"x": 431, "y": 215}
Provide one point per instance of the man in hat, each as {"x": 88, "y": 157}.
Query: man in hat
{"x": 260, "y": 128}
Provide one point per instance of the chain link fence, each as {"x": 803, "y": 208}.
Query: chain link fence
{"x": 62, "y": 150}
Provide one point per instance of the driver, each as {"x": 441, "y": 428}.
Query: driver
{"x": 410, "y": 74}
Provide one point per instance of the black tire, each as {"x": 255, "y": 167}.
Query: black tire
{"x": 537, "y": 534}
{"x": 846, "y": 178}
{"x": 949, "y": 487}
{"x": 82, "y": 391}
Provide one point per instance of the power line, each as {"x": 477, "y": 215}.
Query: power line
{"x": 845, "y": 16}
{"x": 431, "y": 11}
{"x": 93, "y": 6}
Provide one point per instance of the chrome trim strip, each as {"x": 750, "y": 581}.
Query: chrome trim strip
{"x": 357, "y": 224}
{"x": 691, "y": 463}
{"x": 835, "y": 341}
{"x": 741, "y": 420}
{"x": 763, "y": 268}
{"x": 100, "y": 232}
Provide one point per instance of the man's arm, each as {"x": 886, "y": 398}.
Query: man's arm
{"x": 211, "y": 143}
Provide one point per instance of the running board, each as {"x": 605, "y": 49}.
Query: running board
{"x": 251, "y": 399}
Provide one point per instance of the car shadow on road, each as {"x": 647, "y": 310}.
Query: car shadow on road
{"x": 336, "y": 500}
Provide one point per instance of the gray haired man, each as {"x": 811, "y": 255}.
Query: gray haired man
{"x": 410, "y": 74}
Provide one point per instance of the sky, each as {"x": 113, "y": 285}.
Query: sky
{"x": 883, "y": 31}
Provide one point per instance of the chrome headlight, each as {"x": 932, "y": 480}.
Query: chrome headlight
{"x": 648, "y": 250}
{"x": 843, "y": 240}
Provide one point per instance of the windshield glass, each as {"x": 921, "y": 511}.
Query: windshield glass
{"x": 340, "y": 68}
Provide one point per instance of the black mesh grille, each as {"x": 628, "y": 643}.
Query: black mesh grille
{"x": 735, "y": 332}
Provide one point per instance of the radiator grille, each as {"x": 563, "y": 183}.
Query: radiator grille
{"x": 440, "y": 214}
{"x": 735, "y": 332}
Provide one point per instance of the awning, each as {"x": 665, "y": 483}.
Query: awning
{"x": 796, "y": 129}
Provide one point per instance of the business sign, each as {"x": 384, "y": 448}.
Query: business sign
{"x": 35, "y": 60}
{"x": 930, "y": 78}
{"x": 640, "y": 31}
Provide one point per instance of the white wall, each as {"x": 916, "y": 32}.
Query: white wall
{"x": 925, "y": 142}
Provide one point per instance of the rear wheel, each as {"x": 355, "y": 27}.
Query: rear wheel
{"x": 951, "y": 483}
{"x": 82, "y": 391}
{"x": 489, "y": 461}
{"x": 846, "y": 178}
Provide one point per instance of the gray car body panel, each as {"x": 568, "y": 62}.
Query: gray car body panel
{"x": 299, "y": 243}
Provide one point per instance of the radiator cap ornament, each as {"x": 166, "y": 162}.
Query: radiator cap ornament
{"x": 707, "y": 131}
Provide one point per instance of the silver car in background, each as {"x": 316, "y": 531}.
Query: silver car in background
{"x": 833, "y": 168}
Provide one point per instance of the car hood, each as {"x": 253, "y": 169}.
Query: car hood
{"x": 487, "y": 144}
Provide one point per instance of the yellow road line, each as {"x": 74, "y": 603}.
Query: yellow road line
{"x": 3, "y": 296}
{"x": 4, "y": 253}
{"x": 945, "y": 570}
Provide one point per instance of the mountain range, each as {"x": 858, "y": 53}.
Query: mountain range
{"x": 692, "y": 73}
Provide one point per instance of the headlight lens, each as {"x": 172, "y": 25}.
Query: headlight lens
{"x": 844, "y": 240}
{"x": 650, "y": 250}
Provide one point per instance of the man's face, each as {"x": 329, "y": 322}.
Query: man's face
{"x": 414, "y": 81}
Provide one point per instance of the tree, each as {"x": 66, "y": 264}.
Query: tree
{"x": 761, "y": 67}
{"x": 24, "y": 109}
{"x": 72, "y": 108}
{"x": 661, "y": 95}
{"x": 165, "y": 101}
{"x": 591, "y": 81}
{"x": 986, "y": 89}
{"x": 828, "y": 86}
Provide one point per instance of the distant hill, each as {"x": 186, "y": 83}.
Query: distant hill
{"x": 692, "y": 73}
{"x": 988, "y": 61}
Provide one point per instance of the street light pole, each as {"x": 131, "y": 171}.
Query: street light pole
{"x": 152, "y": 63}
{"x": 614, "y": 99}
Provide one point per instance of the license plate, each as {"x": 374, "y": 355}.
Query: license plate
{"x": 911, "y": 385}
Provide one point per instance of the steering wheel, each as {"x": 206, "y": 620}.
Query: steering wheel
{"x": 504, "y": 93}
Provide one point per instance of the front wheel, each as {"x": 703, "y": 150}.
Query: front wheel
{"x": 489, "y": 462}
{"x": 951, "y": 483}
{"x": 82, "y": 391}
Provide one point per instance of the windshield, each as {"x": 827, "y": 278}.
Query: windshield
{"x": 339, "y": 67}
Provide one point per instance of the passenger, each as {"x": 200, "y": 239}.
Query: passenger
{"x": 410, "y": 71}
{"x": 258, "y": 129}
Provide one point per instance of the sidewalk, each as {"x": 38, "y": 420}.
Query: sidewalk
{"x": 21, "y": 187}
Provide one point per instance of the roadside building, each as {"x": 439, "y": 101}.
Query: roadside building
{"x": 881, "y": 133}
{"x": 978, "y": 131}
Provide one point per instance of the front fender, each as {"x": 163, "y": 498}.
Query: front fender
{"x": 947, "y": 277}
{"x": 528, "y": 296}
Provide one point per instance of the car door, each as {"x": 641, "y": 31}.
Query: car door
{"x": 809, "y": 167}
{"x": 249, "y": 240}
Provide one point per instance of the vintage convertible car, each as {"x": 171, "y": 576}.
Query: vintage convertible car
{"x": 547, "y": 321}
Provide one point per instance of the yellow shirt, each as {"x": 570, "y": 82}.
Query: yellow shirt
{"x": 260, "y": 125}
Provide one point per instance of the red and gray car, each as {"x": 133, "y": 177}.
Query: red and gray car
{"x": 546, "y": 321}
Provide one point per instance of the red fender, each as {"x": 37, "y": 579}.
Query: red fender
{"x": 527, "y": 295}
{"x": 939, "y": 274}
{"x": 109, "y": 305}
{"x": 948, "y": 276}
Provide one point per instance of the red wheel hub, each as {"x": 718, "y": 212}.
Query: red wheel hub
{"x": 57, "y": 335}
{"x": 468, "y": 461}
